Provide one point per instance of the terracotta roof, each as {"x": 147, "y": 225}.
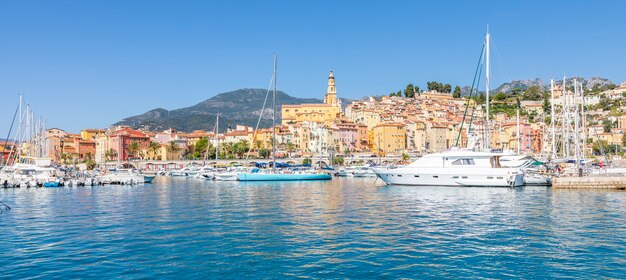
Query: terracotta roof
{"x": 236, "y": 133}
{"x": 389, "y": 124}
{"x": 306, "y": 105}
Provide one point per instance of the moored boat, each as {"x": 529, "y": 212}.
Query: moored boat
{"x": 225, "y": 176}
{"x": 282, "y": 176}
{"x": 454, "y": 168}
{"x": 124, "y": 177}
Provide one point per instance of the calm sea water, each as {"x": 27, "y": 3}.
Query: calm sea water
{"x": 344, "y": 228}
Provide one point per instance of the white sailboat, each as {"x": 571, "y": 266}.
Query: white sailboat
{"x": 30, "y": 162}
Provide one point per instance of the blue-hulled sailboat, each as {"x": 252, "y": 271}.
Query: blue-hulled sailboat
{"x": 273, "y": 175}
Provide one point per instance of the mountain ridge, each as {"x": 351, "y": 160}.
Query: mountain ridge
{"x": 523, "y": 85}
{"x": 243, "y": 106}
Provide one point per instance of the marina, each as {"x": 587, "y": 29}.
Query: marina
{"x": 343, "y": 228}
{"x": 395, "y": 140}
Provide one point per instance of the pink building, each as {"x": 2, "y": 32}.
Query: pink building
{"x": 348, "y": 136}
{"x": 170, "y": 135}
{"x": 120, "y": 138}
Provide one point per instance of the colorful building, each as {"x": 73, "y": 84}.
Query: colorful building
{"x": 320, "y": 113}
{"x": 121, "y": 137}
{"x": 91, "y": 133}
{"x": 389, "y": 139}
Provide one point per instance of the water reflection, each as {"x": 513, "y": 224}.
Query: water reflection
{"x": 344, "y": 228}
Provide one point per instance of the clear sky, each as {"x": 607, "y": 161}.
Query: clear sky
{"x": 86, "y": 64}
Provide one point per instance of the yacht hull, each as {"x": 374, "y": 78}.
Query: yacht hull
{"x": 464, "y": 177}
{"x": 281, "y": 177}
{"x": 225, "y": 177}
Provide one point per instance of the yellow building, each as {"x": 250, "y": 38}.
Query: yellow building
{"x": 262, "y": 139}
{"x": 389, "y": 139}
{"x": 164, "y": 153}
{"x": 91, "y": 133}
{"x": 368, "y": 117}
{"x": 320, "y": 113}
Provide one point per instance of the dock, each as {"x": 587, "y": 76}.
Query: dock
{"x": 590, "y": 182}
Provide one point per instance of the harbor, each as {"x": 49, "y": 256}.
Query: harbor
{"x": 312, "y": 140}
{"x": 342, "y": 228}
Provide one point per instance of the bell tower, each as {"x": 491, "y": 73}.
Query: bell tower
{"x": 331, "y": 92}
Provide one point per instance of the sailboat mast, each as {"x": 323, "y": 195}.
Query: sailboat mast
{"x": 519, "y": 136}
{"x": 274, "y": 118}
{"x": 563, "y": 119}
{"x": 487, "y": 140}
{"x": 552, "y": 120}
{"x": 584, "y": 120}
{"x": 576, "y": 123}
{"x": 19, "y": 130}
{"x": 217, "y": 139}
{"x": 28, "y": 129}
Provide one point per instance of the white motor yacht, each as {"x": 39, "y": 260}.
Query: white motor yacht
{"x": 225, "y": 176}
{"x": 347, "y": 171}
{"x": 123, "y": 176}
{"x": 206, "y": 172}
{"x": 454, "y": 168}
{"x": 532, "y": 175}
{"x": 31, "y": 175}
{"x": 363, "y": 172}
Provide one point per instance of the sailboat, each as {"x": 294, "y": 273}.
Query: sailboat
{"x": 29, "y": 165}
{"x": 273, "y": 175}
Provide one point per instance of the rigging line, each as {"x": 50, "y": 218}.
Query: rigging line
{"x": 9, "y": 134}
{"x": 269, "y": 88}
{"x": 503, "y": 71}
{"x": 469, "y": 129}
{"x": 21, "y": 134}
{"x": 469, "y": 98}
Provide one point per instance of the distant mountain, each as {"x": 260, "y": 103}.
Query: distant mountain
{"x": 241, "y": 106}
{"x": 522, "y": 85}
{"x": 590, "y": 84}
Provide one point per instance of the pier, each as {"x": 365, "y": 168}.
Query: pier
{"x": 590, "y": 182}
{"x": 315, "y": 161}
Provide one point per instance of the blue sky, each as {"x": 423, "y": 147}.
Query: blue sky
{"x": 91, "y": 63}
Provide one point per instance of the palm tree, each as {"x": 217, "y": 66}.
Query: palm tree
{"x": 405, "y": 157}
{"x": 258, "y": 144}
{"x": 270, "y": 143}
{"x": 154, "y": 148}
{"x": 132, "y": 149}
{"x": 110, "y": 154}
{"x": 240, "y": 148}
{"x": 64, "y": 157}
{"x": 172, "y": 147}
{"x": 228, "y": 150}
{"x": 290, "y": 148}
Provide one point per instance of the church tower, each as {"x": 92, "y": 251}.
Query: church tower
{"x": 331, "y": 92}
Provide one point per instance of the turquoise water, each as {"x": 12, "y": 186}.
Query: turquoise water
{"x": 344, "y": 228}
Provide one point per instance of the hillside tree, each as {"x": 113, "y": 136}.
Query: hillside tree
{"x": 607, "y": 125}
{"x": 457, "y": 92}
{"x": 409, "y": 91}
